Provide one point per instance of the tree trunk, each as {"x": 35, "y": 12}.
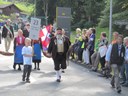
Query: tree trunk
{"x": 89, "y": 18}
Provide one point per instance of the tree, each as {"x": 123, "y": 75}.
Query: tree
{"x": 85, "y": 13}
{"x": 45, "y": 9}
{"x": 120, "y": 13}
{"x": 88, "y": 11}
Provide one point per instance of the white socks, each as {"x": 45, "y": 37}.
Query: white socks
{"x": 58, "y": 74}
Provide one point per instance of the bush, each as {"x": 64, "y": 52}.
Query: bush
{"x": 4, "y": 17}
{"x": 88, "y": 24}
{"x": 121, "y": 29}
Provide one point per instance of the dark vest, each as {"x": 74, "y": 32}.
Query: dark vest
{"x": 5, "y": 32}
{"x": 115, "y": 57}
{"x": 53, "y": 47}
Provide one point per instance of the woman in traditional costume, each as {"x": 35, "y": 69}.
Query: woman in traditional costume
{"x": 18, "y": 45}
{"x": 37, "y": 53}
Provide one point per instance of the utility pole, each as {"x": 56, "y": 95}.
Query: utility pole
{"x": 35, "y": 9}
{"x": 110, "y": 22}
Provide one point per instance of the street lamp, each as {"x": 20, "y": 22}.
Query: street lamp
{"x": 110, "y": 22}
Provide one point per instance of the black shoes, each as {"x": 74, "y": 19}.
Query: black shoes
{"x": 14, "y": 67}
{"x": 19, "y": 69}
{"x": 112, "y": 84}
{"x": 63, "y": 71}
{"x": 118, "y": 90}
{"x": 58, "y": 80}
{"x": 37, "y": 68}
{"x": 28, "y": 81}
{"x": 23, "y": 79}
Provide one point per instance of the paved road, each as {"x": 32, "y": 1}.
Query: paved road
{"x": 77, "y": 81}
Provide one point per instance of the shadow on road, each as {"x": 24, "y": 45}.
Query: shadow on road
{"x": 10, "y": 71}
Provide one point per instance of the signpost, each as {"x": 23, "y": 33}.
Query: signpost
{"x": 63, "y": 19}
{"x": 35, "y": 28}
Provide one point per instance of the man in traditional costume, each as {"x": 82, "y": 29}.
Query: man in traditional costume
{"x": 58, "y": 47}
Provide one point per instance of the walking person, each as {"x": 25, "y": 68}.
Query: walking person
{"x": 59, "y": 46}
{"x": 107, "y": 57}
{"x": 18, "y": 45}
{"x": 115, "y": 56}
{"x": 37, "y": 53}
{"x": 7, "y": 34}
{"x": 27, "y": 52}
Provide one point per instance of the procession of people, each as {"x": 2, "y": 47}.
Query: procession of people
{"x": 109, "y": 58}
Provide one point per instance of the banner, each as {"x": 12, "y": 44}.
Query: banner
{"x": 35, "y": 26}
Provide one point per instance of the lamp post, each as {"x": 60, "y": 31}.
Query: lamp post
{"x": 110, "y": 22}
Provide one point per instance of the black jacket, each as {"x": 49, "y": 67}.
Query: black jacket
{"x": 25, "y": 33}
{"x": 5, "y": 31}
{"x": 115, "y": 57}
{"x": 53, "y": 47}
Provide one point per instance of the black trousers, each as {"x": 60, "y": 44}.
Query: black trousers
{"x": 90, "y": 54}
{"x": 27, "y": 71}
{"x": 60, "y": 62}
{"x": 80, "y": 52}
{"x": 102, "y": 61}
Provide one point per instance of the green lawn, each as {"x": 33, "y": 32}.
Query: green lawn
{"x": 99, "y": 30}
{"x": 27, "y": 8}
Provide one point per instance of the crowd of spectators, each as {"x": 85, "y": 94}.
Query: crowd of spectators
{"x": 102, "y": 56}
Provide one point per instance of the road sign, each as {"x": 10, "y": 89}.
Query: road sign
{"x": 35, "y": 28}
{"x": 63, "y": 16}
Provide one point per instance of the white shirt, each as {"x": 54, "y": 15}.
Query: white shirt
{"x": 20, "y": 39}
{"x": 27, "y": 51}
{"x": 108, "y": 53}
{"x": 126, "y": 54}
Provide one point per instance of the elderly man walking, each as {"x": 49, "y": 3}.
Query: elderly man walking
{"x": 115, "y": 56}
{"x": 59, "y": 46}
{"x": 7, "y": 34}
